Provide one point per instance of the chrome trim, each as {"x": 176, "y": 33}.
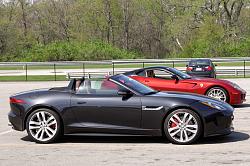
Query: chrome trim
{"x": 148, "y": 108}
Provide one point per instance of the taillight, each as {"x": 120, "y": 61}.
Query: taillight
{"x": 18, "y": 101}
{"x": 189, "y": 69}
{"x": 208, "y": 68}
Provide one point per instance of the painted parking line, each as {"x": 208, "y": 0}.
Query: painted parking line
{"x": 6, "y": 132}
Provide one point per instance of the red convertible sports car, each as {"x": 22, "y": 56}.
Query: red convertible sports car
{"x": 171, "y": 79}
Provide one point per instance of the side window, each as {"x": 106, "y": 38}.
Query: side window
{"x": 98, "y": 88}
{"x": 142, "y": 73}
{"x": 162, "y": 74}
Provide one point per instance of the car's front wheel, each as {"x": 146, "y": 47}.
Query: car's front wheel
{"x": 182, "y": 126}
{"x": 218, "y": 93}
{"x": 43, "y": 126}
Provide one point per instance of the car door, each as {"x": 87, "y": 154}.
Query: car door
{"x": 105, "y": 109}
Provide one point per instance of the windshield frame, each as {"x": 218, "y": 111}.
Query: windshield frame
{"x": 136, "y": 91}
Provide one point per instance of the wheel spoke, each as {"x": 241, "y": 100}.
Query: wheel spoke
{"x": 184, "y": 117}
{"x": 42, "y": 135}
{"x": 47, "y": 132}
{"x": 177, "y": 117}
{"x": 192, "y": 126}
{"x": 51, "y": 130}
{"x": 36, "y": 136}
{"x": 174, "y": 133}
{"x": 38, "y": 117}
{"x": 172, "y": 129}
{"x": 181, "y": 135}
{"x": 49, "y": 119}
{"x": 190, "y": 117}
{"x": 51, "y": 123}
{"x": 43, "y": 116}
{"x": 34, "y": 127}
{"x": 172, "y": 120}
{"x": 186, "y": 136}
{"x": 34, "y": 123}
{"x": 192, "y": 131}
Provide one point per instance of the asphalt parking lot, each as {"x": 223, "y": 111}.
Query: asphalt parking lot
{"x": 17, "y": 149}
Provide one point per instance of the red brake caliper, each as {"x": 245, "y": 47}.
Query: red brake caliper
{"x": 173, "y": 124}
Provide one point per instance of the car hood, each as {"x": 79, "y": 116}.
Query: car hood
{"x": 210, "y": 80}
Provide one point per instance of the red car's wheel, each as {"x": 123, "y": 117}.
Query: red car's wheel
{"x": 218, "y": 93}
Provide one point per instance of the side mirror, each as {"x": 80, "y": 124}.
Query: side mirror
{"x": 175, "y": 77}
{"x": 186, "y": 65}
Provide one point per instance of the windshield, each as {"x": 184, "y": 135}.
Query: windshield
{"x": 133, "y": 84}
{"x": 180, "y": 73}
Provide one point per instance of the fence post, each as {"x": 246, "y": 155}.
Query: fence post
{"x": 113, "y": 66}
{"x": 143, "y": 65}
{"x": 173, "y": 64}
{"x": 55, "y": 71}
{"x": 26, "y": 72}
{"x": 83, "y": 69}
{"x": 244, "y": 68}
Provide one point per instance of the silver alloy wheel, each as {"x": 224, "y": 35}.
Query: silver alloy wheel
{"x": 182, "y": 127}
{"x": 43, "y": 126}
{"x": 217, "y": 93}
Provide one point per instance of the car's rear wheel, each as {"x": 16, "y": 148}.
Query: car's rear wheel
{"x": 218, "y": 93}
{"x": 182, "y": 126}
{"x": 43, "y": 126}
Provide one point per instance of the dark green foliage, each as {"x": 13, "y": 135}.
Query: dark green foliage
{"x": 66, "y": 30}
{"x": 73, "y": 51}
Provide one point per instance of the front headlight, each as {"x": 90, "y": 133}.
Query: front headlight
{"x": 236, "y": 86}
{"x": 213, "y": 105}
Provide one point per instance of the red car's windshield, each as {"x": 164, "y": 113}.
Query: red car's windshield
{"x": 180, "y": 73}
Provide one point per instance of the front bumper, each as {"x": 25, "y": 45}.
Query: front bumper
{"x": 215, "y": 122}
{"x": 237, "y": 97}
{"x": 220, "y": 125}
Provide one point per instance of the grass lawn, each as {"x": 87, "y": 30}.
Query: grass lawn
{"x": 33, "y": 78}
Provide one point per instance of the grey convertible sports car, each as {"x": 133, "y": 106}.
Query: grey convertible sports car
{"x": 129, "y": 108}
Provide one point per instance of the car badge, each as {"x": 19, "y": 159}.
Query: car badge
{"x": 201, "y": 85}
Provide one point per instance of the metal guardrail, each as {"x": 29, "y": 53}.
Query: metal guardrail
{"x": 115, "y": 65}
{"x": 222, "y": 72}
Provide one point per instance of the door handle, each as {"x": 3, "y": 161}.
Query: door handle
{"x": 146, "y": 81}
{"x": 81, "y": 102}
{"x": 148, "y": 108}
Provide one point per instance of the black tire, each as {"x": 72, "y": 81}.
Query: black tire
{"x": 194, "y": 137}
{"x": 222, "y": 89}
{"x": 58, "y": 125}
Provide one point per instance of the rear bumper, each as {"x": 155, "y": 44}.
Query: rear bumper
{"x": 201, "y": 74}
{"x": 16, "y": 121}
